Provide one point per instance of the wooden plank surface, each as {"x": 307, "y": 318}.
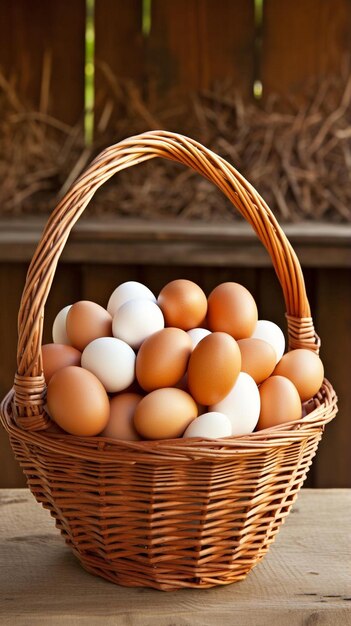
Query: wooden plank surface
{"x": 194, "y": 43}
{"x": 119, "y": 52}
{"x": 49, "y": 37}
{"x": 65, "y": 290}
{"x": 302, "y": 40}
{"x": 333, "y": 322}
{"x": 304, "y": 579}
{"x": 12, "y": 278}
{"x": 127, "y": 241}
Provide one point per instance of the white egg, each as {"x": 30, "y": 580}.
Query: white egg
{"x": 128, "y": 291}
{"x": 136, "y": 320}
{"x": 59, "y": 334}
{"x": 270, "y": 332}
{"x": 196, "y": 334}
{"x": 242, "y": 405}
{"x": 211, "y": 425}
{"x": 112, "y": 361}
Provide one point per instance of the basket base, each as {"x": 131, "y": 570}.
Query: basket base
{"x": 131, "y": 579}
{"x": 172, "y": 518}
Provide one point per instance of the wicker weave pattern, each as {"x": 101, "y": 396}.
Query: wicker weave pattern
{"x": 165, "y": 514}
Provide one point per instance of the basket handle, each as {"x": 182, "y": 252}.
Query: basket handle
{"x": 29, "y": 385}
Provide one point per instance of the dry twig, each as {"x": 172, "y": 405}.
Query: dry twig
{"x": 297, "y": 154}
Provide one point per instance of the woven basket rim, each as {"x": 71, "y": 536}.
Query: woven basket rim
{"x": 106, "y": 449}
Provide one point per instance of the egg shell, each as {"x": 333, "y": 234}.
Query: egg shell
{"x": 232, "y": 309}
{"x": 163, "y": 358}
{"x": 129, "y": 290}
{"x": 212, "y": 425}
{"x": 136, "y": 320}
{"x": 183, "y": 384}
{"x": 280, "y": 402}
{"x": 183, "y": 304}
{"x": 87, "y": 321}
{"x": 270, "y": 332}
{"x": 258, "y": 358}
{"x": 214, "y": 366}
{"x": 120, "y": 424}
{"x": 78, "y": 402}
{"x": 56, "y": 356}
{"x": 164, "y": 414}
{"x": 196, "y": 334}
{"x": 112, "y": 361}
{"x": 305, "y": 369}
{"x": 242, "y": 405}
{"x": 59, "y": 334}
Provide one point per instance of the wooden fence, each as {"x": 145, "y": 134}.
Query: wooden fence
{"x": 191, "y": 44}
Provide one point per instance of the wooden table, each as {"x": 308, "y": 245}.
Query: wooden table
{"x": 304, "y": 579}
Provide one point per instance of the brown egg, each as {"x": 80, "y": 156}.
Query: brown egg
{"x": 183, "y": 304}
{"x": 232, "y": 309}
{"x": 78, "y": 402}
{"x": 305, "y": 369}
{"x": 120, "y": 424}
{"x": 164, "y": 414}
{"x": 163, "y": 358}
{"x": 183, "y": 384}
{"x": 87, "y": 321}
{"x": 280, "y": 402}
{"x": 213, "y": 368}
{"x": 258, "y": 358}
{"x": 56, "y": 356}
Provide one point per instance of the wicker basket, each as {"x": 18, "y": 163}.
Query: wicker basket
{"x": 174, "y": 513}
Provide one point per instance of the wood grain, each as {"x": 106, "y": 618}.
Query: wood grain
{"x": 119, "y": 50}
{"x": 66, "y": 289}
{"x": 302, "y": 40}
{"x": 170, "y": 242}
{"x": 12, "y": 278}
{"x": 99, "y": 281}
{"x": 40, "y": 34}
{"x": 193, "y": 44}
{"x": 304, "y": 579}
{"x": 333, "y": 323}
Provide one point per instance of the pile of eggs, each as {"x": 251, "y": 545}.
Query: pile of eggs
{"x": 180, "y": 365}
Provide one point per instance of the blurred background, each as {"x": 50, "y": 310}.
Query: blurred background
{"x": 264, "y": 83}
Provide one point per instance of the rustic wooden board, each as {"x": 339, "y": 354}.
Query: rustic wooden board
{"x": 65, "y": 290}
{"x": 39, "y": 35}
{"x": 302, "y": 40}
{"x": 333, "y": 320}
{"x": 171, "y": 242}
{"x": 304, "y": 579}
{"x": 119, "y": 50}
{"x": 99, "y": 281}
{"x": 12, "y": 277}
{"x": 192, "y": 44}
